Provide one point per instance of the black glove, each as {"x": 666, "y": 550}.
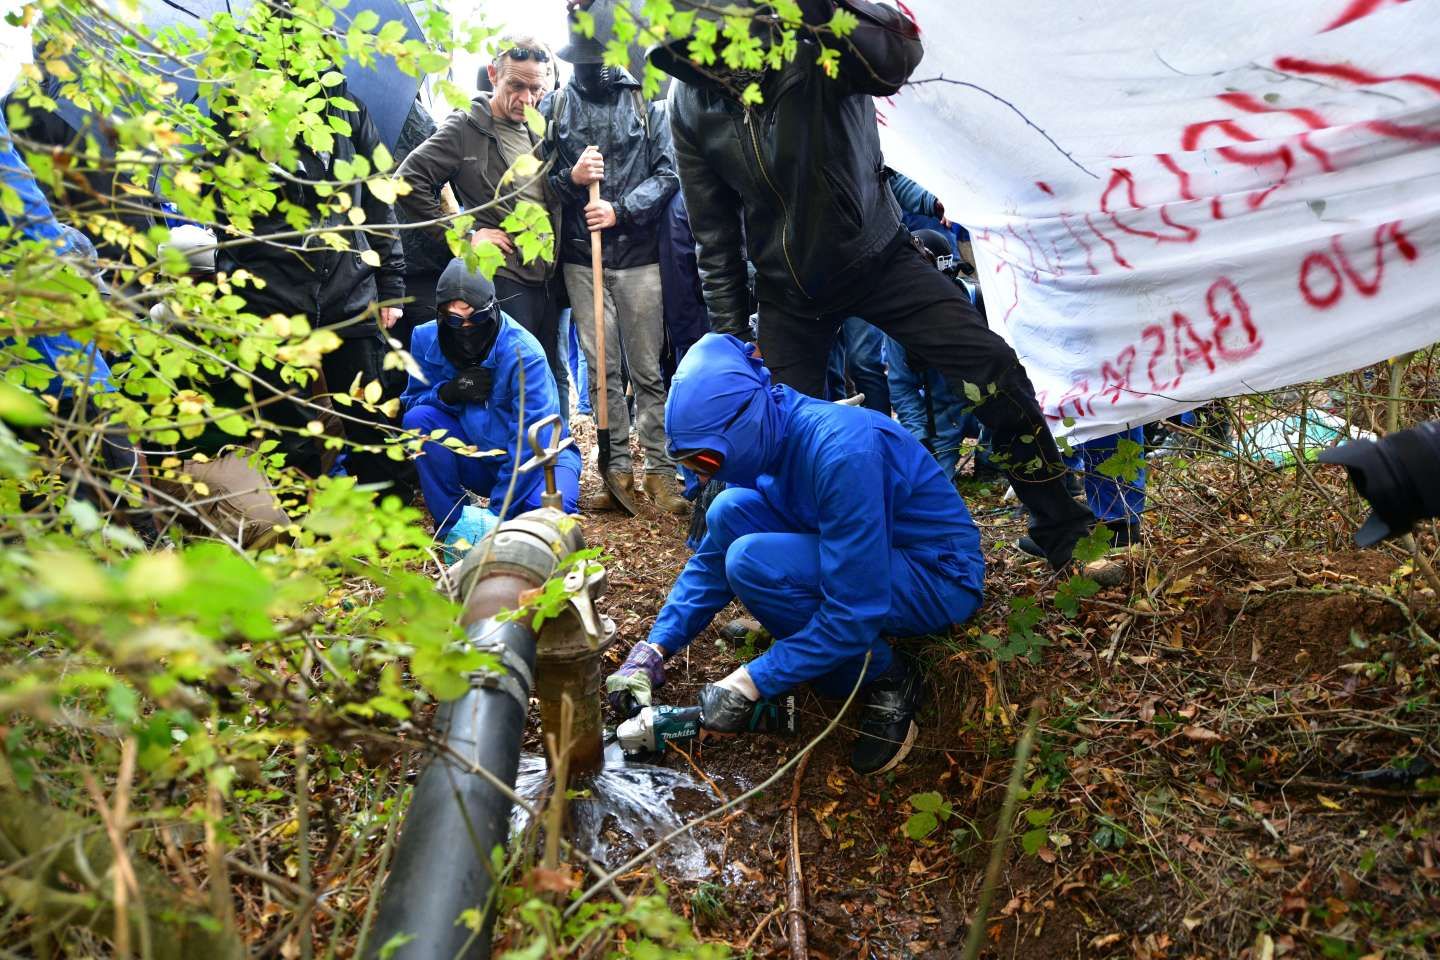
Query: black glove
{"x": 725, "y": 711}
{"x": 471, "y": 385}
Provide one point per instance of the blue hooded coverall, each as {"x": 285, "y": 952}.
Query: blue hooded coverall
{"x": 445, "y": 475}
{"x": 837, "y": 527}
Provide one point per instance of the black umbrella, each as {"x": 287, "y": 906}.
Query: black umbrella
{"x": 386, "y": 91}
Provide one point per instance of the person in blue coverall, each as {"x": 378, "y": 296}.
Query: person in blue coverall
{"x": 837, "y": 529}
{"x": 473, "y": 358}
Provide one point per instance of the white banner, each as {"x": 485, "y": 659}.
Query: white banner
{"x": 1172, "y": 202}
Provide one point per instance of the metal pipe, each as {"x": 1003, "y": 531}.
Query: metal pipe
{"x": 444, "y": 863}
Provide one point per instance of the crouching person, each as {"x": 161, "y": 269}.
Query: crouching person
{"x": 836, "y": 530}
{"x": 482, "y": 373}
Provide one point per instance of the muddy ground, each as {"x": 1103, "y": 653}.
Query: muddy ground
{"x": 1193, "y": 791}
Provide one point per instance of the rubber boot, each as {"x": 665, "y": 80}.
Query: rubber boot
{"x": 660, "y": 487}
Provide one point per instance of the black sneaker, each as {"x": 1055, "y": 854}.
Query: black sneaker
{"x": 887, "y": 722}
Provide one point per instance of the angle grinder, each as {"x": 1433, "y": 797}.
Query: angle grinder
{"x": 652, "y": 729}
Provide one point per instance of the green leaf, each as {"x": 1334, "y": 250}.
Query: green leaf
{"x": 1032, "y": 840}
{"x": 1040, "y": 817}
{"x": 972, "y": 392}
{"x": 930, "y": 802}
{"x": 534, "y": 120}
{"x": 1094, "y": 546}
{"x": 921, "y": 825}
{"x": 382, "y": 159}
{"x": 365, "y": 21}
{"x": 233, "y": 424}
{"x": 21, "y": 407}
{"x": 1126, "y": 463}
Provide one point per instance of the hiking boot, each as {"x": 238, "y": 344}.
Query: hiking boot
{"x": 1123, "y": 535}
{"x": 604, "y": 500}
{"x": 887, "y": 724}
{"x": 660, "y": 487}
{"x": 741, "y": 629}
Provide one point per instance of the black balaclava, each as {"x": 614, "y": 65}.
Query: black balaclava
{"x": 595, "y": 81}
{"x": 467, "y": 346}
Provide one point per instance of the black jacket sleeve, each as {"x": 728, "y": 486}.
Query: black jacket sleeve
{"x": 428, "y": 168}
{"x": 881, "y": 53}
{"x": 715, "y": 220}
{"x": 559, "y": 176}
{"x": 390, "y": 278}
{"x": 651, "y": 196}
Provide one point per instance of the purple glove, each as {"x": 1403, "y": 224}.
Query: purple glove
{"x": 629, "y": 688}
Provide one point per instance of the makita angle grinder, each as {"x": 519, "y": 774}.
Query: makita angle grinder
{"x": 652, "y": 729}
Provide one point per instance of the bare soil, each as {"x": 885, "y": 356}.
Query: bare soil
{"x": 1193, "y": 782}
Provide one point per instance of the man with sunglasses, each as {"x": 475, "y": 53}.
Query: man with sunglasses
{"x": 479, "y": 371}
{"x": 471, "y": 151}
{"x": 837, "y": 529}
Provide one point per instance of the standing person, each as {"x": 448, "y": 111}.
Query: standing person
{"x": 686, "y": 319}
{"x": 471, "y": 151}
{"x": 426, "y": 255}
{"x": 801, "y": 176}
{"x": 333, "y": 288}
{"x": 600, "y": 129}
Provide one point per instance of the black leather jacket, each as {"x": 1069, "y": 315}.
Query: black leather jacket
{"x": 634, "y": 138}
{"x": 325, "y": 285}
{"x": 801, "y": 175}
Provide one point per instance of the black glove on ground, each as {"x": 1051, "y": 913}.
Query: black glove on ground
{"x": 471, "y": 385}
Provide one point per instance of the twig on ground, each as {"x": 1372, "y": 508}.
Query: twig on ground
{"x": 759, "y": 928}
{"x": 976, "y": 937}
{"x": 795, "y": 875}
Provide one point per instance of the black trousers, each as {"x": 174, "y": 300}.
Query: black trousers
{"x": 535, "y": 308}
{"x": 366, "y": 356}
{"x": 940, "y": 329}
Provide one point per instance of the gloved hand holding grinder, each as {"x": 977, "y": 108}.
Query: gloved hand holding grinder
{"x": 725, "y": 707}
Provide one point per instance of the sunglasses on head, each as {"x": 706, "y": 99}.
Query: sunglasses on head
{"x": 524, "y": 53}
{"x": 456, "y": 320}
{"x": 704, "y": 462}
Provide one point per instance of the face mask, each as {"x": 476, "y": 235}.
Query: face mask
{"x": 469, "y": 346}
{"x": 596, "y": 81}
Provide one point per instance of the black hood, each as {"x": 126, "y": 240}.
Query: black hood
{"x": 458, "y": 282}
{"x": 470, "y": 345}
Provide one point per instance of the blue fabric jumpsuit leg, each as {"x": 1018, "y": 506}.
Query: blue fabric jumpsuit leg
{"x": 1110, "y": 499}
{"x": 858, "y": 350}
{"x": 776, "y": 575}
{"x": 445, "y": 475}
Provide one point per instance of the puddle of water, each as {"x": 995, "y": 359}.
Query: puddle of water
{"x": 628, "y": 806}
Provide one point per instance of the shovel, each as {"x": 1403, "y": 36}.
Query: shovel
{"x": 619, "y": 494}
